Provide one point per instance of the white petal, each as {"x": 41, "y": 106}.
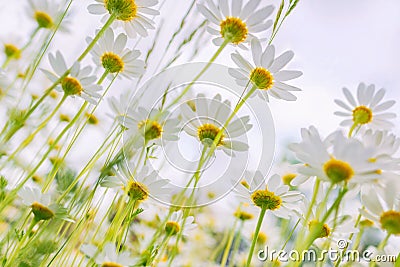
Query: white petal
{"x": 285, "y": 75}
{"x": 96, "y": 9}
{"x": 256, "y": 51}
{"x": 281, "y": 61}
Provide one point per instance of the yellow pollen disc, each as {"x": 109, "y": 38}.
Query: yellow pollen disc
{"x": 267, "y": 199}
{"x": 137, "y": 191}
{"x": 338, "y": 171}
{"x": 112, "y": 62}
{"x": 234, "y": 30}
{"x": 125, "y": 10}
{"x": 362, "y": 115}
{"x": 12, "y": 51}
{"x": 150, "y": 129}
{"x": 242, "y": 215}
{"x": 41, "y": 212}
{"x": 207, "y": 134}
{"x": 262, "y": 78}
{"x": 71, "y": 86}
{"x": 390, "y": 221}
{"x": 91, "y": 118}
{"x": 262, "y": 238}
{"x": 43, "y": 19}
{"x": 172, "y": 228}
{"x": 366, "y": 223}
{"x": 320, "y": 230}
{"x": 111, "y": 264}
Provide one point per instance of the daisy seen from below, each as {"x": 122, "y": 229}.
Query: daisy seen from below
{"x": 383, "y": 209}
{"x": 132, "y": 15}
{"x": 41, "y": 205}
{"x": 177, "y": 223}
{"x": 137, "y": 187}
{"x": 266, "y": 74}
{"x": 45, "y": 13}
{"x": 79, "y": 81}
{"x": 207, "y": 118}
{"x": 343, "y": 161}
{"x": 235, "y": 23}
{"x": 368, "y": 109}
{"x": 150, "y": 126}
{"x": 108, "y": 257}
{"x": 111, "y": 54}
{"x": 275, "y": 196}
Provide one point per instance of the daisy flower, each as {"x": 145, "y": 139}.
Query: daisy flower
{"x": 45, "y": 13}
{"x": 177, "y": 223}
{"x": 41, "y": 205}
{"x": 343, "y": 160}
{"x": 109, "y": 257}
{"x": 114, "y": 57}
{"x": 139, "y": 186}
{"x": 368, "y": 109}
{"x": 130, "y": 14}
{"x": 235, "y": 23}
{"x": 79, "y": 82}
{"x": 266, "y": 73}
{"x": 275, "y": 197}
{"x": 121, "y": 106}
{"x": 383, "y": 209}
{"x": 207, "y": 120}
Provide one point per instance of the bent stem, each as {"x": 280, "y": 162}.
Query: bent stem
{"x": 258, "y": 227}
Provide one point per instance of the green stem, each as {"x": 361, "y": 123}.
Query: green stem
{"x": 228, "y": 244}
{"x": 186, "y": 89}
{"x": 238, "y": 238}
{"x": 258, "y": 227}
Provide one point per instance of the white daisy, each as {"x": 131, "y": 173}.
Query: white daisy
{"x": 109, "y": 257}
{"x": 151, "y": 126}
{"x": 177, "y": 223}
{"x": 368, "y": 110}
{"x": 130, "y": 14}
{"x": 234, "y": 22}
{"x": 208, "y": 120}
{"x": 266, "y": 73}
{"x": 139, "y": 186}
{"x": 121, "y": 107}
{"x": 46, "y": 13}
{"x": 383, "y": 209}
{"x": 79, "y": 82}
{"x": 341, "y": 160}
{"x": 114, "y": 57}
{"x": 276, "y": 196}
{"x": 334, "y": 228}
{"x": 41, "y": 205}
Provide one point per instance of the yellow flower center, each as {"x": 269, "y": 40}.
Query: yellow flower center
{"x": 112, "y": 62}
{"x": 41, "y": 212}
{"x": 234, "y": 30}
{"x": 288, "y": 178}
{"x": 207, "y": 134}
{"x": 125, "y": 10}
{"x": 245, "y": 184}
{"x": 150, "y": 129}
{"x": 71, "y": 86}
{"x": 320, "y": 230}
{"x": 111, "y": 264}
{"x": 390, "y": 221}
{"x": 91, "y": 118}
{"x": 267, "y": 199}
{"x": 262, "y": 78}
{"x": 262, "y": 238}
{"x": 12, "y": 51}
{"x": 43, "y": 19}
{"x": 242, "y": 215}
{"x": 338, "y": 171}
{"x": 137, "y": 191}
{"x": 172, "y": 228}
{"x": 362, "y": 115}
{"x": 366, "y": 223}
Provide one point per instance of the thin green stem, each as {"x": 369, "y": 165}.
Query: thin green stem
{"x": 257, "y": 231}
{"x": 228, "y": 244}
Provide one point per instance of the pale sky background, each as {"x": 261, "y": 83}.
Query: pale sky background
{"x": 336, "y": 43}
